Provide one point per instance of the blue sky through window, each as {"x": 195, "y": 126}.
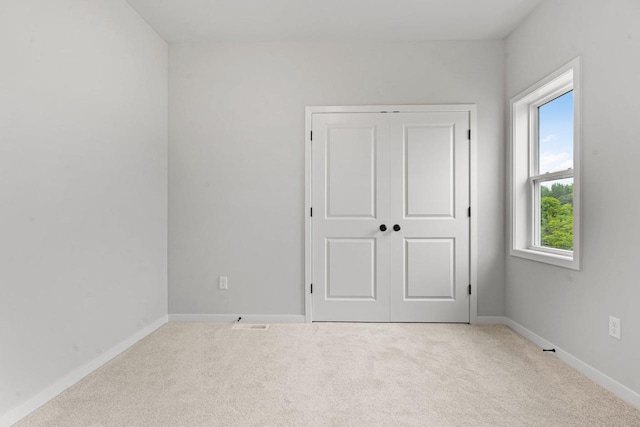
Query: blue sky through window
{"x": 555, "y": 134}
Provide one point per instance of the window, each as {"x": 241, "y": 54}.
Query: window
{"x": 546, "y": 169}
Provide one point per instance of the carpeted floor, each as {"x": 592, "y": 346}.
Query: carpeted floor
{"x": 335, "y": 374}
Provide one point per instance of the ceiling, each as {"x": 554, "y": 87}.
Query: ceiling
{"x": 332, "y": 20}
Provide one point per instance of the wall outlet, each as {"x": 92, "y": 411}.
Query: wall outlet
{"x": 614, "y": 327}
{"x": 222, "y": 282}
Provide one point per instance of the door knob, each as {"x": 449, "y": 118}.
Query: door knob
{"x": 383, "y": 227}
{"x": 396, "y": 227}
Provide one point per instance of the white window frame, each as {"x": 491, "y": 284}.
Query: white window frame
{"x": 525, "y": 178}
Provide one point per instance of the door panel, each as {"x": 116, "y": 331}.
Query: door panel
{"x": 351, "y": 269}
{"x": 350, "y": 261}
{"x": 351, "y": 172}
{"x": 429, "y": 166}
{"x": 429, "y": 197}
{"x": 429, "y": 269}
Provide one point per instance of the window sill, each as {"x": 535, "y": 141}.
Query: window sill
{"x": 565, "y": 261}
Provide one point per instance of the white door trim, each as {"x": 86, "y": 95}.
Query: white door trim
{"x": 473, "y": 156}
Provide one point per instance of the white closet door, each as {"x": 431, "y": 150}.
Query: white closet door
{"x": 429, "y": 200}
{"x": 350, "y": 173}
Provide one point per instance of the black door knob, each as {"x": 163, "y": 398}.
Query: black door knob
{"x": 383, "y": 227}
{"x": 396, "y": 227}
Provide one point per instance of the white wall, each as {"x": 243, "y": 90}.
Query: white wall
{"x": 571, "y": 308}
{"x": 236, "y": 172}
{"x": 83, "y": 172}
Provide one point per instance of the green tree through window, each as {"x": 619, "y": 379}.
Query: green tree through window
{"x": 556, "y": 212}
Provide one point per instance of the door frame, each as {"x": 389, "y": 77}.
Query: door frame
{"x": 473, "y": 188}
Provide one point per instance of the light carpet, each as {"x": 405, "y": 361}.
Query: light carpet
{"x": 335, "y": 374}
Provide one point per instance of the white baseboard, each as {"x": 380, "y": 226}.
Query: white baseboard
{"x": 76, "y": 375}
{"x": 246, "y": 318}
{"x": 589, "y": 371}
{"x": 489, "y": 320}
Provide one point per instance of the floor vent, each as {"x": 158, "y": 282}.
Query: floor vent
{"x": 249, "y": 326}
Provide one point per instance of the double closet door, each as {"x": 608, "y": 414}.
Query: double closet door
{"x": 390, "y": 224}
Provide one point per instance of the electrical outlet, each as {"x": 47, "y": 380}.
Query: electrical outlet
{"x": 614, "y": 327}
{"x": 223, "y": 282}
